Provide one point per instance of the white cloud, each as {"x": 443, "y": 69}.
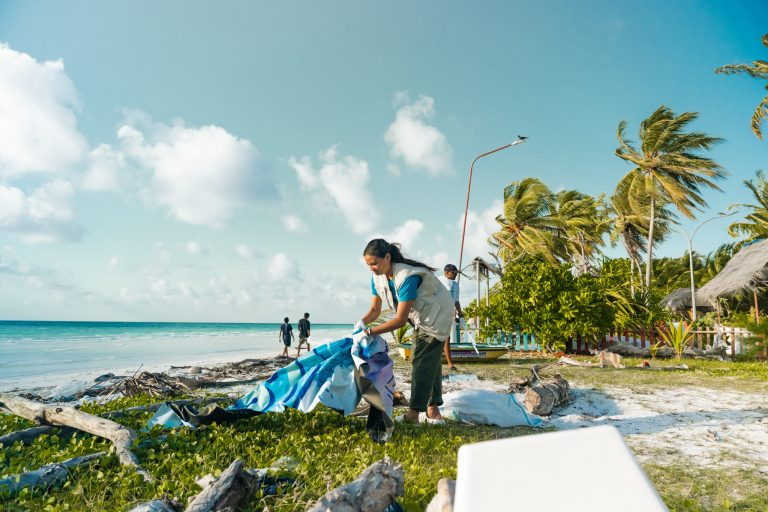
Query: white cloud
{"x": 303, "y": 167}
{"x": 38, "y": 125}
{"x": 159, "y": 287}
{"x": 244, "y": 251}
{"x": 194, "y": 247}
{"x": 105, "y": 165}
{"x": 417, "y": 142}
{"x": 114, "y": 261}
{"x": 44, "y": 216}
{"x": 393, "y": 170}
{"x": 294, "y": 224}
{"x": 480, "y": 226}
{"x": 200, "y": 175}
{"x": 281, "y": 267}
{"x": 406, "y": 234}
{"x": 345, "y": 179}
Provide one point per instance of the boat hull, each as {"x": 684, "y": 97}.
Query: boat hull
{"x": 463, "y": 352}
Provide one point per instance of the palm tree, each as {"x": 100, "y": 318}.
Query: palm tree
{"x": 667, "y": 168}
{"x": 581, "y": 223}
{"x": 630, "y": 222}
{"x": 567, "y": 226}
{"x": 758, "y": 69}
{"x": 526, "y": 224}
{"x": 755, "y": 225}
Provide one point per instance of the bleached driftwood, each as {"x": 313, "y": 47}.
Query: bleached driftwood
{"x": 45, "y": 476}
{"x": 375, "y": 489}
{"x": 541, "y": 399}
{"x": 443, "y": 500}
{"x": 121, "y": 436}
{"x": 27, "y": 436}
{"x": 228, "y": 492}
{"x": 154, "y": 506}
{"x": 573, "y": 362}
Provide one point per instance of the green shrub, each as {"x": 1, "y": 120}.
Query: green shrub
{"x": 548, "y": 301}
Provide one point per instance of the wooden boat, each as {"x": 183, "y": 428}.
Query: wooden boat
{"x": 463, "y": 351}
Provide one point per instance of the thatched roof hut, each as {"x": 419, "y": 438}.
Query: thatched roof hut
{"x": 679, "y": 301}
{"x": 746, "y": 271}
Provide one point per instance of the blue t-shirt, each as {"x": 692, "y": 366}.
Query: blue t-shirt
{"x": 407, "y": 291}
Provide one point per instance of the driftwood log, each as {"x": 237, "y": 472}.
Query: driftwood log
{"x": 443, "y": 500}
{"x": 375, "y": 489}
{"x": 541, "y": 399}
{"x": 28, "y": 436}
{"x": 121, "y": 436}
{"x": 665, "y": 352}
{"x": 154, "y": 506}
{"x": 228, "y": 492}
{"x": 45, "y": 476}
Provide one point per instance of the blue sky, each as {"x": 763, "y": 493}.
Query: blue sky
{"x": 228, "y": 161}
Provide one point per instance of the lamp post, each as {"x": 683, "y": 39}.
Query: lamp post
{"x": 690, "y": 255}
{"x": 520, "y": 139}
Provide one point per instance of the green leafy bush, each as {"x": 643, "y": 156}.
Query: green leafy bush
{"x": 550, "y": 302}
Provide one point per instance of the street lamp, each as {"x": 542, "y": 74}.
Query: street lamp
{"x": 520, "y": 139}
{"x": 690, "y": 254}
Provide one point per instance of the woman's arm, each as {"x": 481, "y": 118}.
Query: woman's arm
{"x": 374, "y": 312}
{"x": 403, "y": 308}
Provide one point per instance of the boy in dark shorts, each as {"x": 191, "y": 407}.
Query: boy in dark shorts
{"x": 286, "y": 335}
{"x": 304, "y": 328}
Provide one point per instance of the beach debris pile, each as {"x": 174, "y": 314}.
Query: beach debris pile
{"x": 232, "y": 490}
{"x": 179, "y": 380}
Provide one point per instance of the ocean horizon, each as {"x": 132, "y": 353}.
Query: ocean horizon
{"x": 36, "y": 353}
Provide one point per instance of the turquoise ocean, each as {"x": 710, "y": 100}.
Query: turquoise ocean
{"x": 36, "y": 353}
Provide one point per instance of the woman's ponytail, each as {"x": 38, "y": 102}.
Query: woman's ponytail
{"x": 379, "y": 248}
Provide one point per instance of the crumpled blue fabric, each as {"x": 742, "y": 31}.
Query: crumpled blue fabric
{"x": 333, "y": 375}
{"x": 337, "y": 375}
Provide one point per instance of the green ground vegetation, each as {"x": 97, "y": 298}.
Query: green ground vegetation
{"x": 333, "y": 450}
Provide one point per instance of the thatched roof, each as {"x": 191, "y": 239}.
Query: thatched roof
{"x": 746, "y": 271}
{"x": 680, "y": 300}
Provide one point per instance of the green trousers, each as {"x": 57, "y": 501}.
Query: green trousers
{"x": 426, "y": 376}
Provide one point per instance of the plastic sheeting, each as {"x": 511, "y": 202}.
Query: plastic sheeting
{"x": 482, "y": 407}
{"x": 337, "y": 375}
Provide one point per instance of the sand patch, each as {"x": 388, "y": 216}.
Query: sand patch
{"x": 706, "y": 427}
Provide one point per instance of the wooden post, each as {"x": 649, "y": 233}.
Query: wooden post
{"x": 757, "y": 313}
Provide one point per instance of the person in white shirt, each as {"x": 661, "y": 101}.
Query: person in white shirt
{"x": 449, "y": 281}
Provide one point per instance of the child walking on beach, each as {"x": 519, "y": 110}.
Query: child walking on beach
{"x": 412, "y": 290}
{"x": 286, "y": 335}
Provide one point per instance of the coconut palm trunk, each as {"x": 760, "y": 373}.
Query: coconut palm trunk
{"x": 651, "y": 225}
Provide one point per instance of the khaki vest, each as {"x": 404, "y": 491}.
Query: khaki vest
{"x": 432, "y": 311}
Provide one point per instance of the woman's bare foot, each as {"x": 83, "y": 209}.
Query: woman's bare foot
{"x": 433, "y": 412}
{"x": 412, "y": 416}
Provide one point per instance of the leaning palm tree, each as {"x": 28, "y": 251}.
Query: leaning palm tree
{"x": 755, "y": 225}
{"x": 527, "y": 227}
{"x": 581, "y": 222}
{"x": 667, "y": 169}
{"x": 758, "y": 69}
{"x": 630, "y": 219}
